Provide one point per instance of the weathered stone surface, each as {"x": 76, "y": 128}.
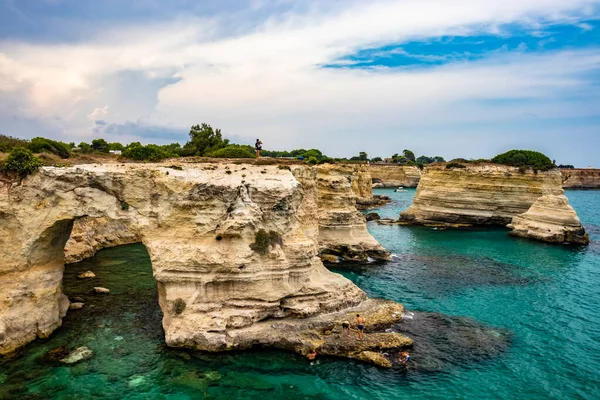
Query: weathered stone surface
{"x": 550, "y": 219}
{"x": 342, "y": 228}
{"x": 393, "y": 176}
{"x": 580, "y": 178}
{"x": 86, "y": 275}
{"x": 92, "y": 234}
{"x": 76, "y": 306}
{"x": 477, "y": 195}
{"x": 101, "y": 290}
{"x": 198, "y": 224}
{"x": 78, "y": 355}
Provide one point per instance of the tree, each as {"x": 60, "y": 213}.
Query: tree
{"x": 116, "y": 146}
{"x": 363, "y": 156}
{"x": 85, "y": 148}
{"x": 438, "y": 159}
{"x": 525, "y": 158}
{"x": 409, "y": 155}
{"x": 376, "y": 159}
{"x": 204, "y": 140}
{"x": 100, "y": 145}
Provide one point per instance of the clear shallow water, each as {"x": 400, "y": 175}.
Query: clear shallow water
{"x": 493, "y": 317}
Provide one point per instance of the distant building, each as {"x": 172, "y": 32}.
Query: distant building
{"x": 116, "y": 152}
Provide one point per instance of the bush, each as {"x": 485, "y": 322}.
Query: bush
{"x": 150, "y": 152}
{"x": 7, "y": 143}
{"x": 233, "y": 151}
{"x": 178, "y": 306}
{"x": 40, "y": 144}
{"x": 21, "y": 162}
{"x": 312, "y": 161}
{"x": 454, "y": 165}
{"x": 525, "y": 158}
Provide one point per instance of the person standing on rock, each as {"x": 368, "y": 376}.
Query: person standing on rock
{"x": 346, "y": 328}
{"x": 360, "y": 325}
{"x": 258, "y": 147}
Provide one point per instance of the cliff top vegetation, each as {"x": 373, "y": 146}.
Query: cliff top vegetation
{"x": 525, "y": 159}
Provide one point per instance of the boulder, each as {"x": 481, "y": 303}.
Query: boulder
{"x": 76, "y": 306}
{"x": 78, "y": 355}
{"x": 86, "y": 274}
{"x": 372, "y": 216}
{"x": 101, "y": 290}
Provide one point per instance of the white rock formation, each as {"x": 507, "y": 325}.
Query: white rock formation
{"x": 219, "y": 286}
{"x": 550, "y": 219}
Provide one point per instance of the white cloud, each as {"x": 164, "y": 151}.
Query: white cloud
{"x": 265, "y": 79}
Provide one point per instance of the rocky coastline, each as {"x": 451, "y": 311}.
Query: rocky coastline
{"x": 234, "y": 250}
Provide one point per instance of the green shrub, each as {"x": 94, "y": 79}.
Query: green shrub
{"x": 233, "y": 151}
{"x": 178, "y": 306}
{"x": 150, "y": 152}
{"x": 21, "y": 162}
{"x": 40, "y": 144}
{"x": 454, "y": 165}
{"x": 525, "y": 158}
{"x": 312, "y": 160}
{"x": 124, "y": 205}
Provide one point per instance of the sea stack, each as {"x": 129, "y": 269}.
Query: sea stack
{"x": 550, "y": 219}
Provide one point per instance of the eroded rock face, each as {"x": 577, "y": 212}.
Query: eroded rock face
{"x": 393, "y": 176}
{"x": 342, "y": 228}
{"x": 92, "y": 234}
{"x": 550, "y": 219}
{"x": 581, "y": 178}
{"x": 477, "y": 195}
{"x": 198, "y": 224}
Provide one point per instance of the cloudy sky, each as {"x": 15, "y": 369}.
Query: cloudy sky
{"x": 467, "y": 78}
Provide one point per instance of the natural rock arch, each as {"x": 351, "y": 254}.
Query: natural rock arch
{"x": 198, "y": 225}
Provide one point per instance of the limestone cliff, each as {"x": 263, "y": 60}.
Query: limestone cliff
{"x": 550, "y": 219}
{"x": 342, "y": 228}
{"x": 92, "y": 234}
{"x": 393, "y": 176}
{"x": 581, "y": 178}
{"x": 233, "y": 249}
{"x": 477, "y": 195}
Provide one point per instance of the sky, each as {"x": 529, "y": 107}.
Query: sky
{"x": 459, "y": 78}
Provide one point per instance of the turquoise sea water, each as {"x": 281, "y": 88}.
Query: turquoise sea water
{"x": 492, "y": 317}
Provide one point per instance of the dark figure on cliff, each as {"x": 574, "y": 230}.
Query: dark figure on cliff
{"x": 258, "y": 147}
{"x": 346, "y": 328}
{"x": 360, "y": 325}
{"x": 312, "y": 355}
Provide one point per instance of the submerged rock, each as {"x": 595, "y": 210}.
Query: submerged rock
{"x": 86, "y": 274}
{"x": 78, "y": 355}
{"x": 76, "y": 306}
{"x": 550, "y": 219}
{"x": 101, "y": 290}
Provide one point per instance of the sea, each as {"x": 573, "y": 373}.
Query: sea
{"x": 492, "y": 317}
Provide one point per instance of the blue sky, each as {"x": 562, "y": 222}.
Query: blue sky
{"x": 461, "y": 78}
